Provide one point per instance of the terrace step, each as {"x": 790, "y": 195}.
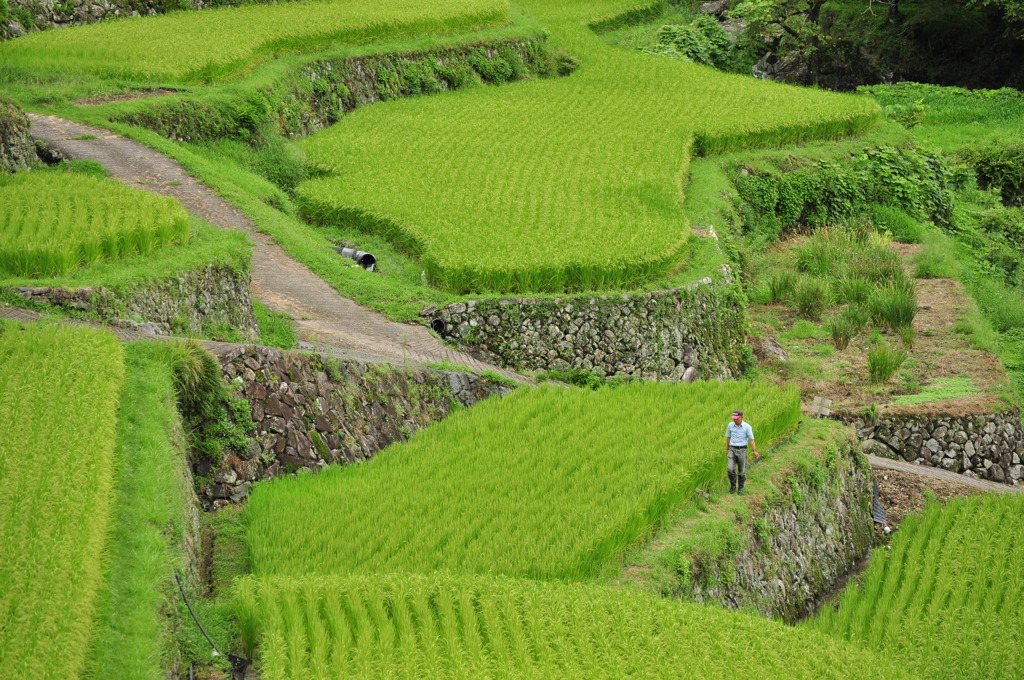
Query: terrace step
{"x": 323, "y": 318}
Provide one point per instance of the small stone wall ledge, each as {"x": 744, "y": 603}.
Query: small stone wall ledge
{"x": 986, "y": 446}
{"x": 690, "y": 332}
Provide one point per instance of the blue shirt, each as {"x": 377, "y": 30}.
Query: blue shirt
{"x": 739, "y": 435}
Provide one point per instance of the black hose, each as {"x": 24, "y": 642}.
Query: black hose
{"x": 216, "y": 652}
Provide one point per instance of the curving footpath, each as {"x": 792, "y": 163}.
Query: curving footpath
{"x": 323, "y": 317}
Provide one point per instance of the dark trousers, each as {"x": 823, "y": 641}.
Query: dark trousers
{"x": 737, "y": 460}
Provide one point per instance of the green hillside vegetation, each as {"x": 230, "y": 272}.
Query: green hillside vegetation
{"x": 208, "y": 46}
{"x": 440, "y": 626}
{"x": 59, "y": 390}
{"x": 545, "y": 483}
{"x": 54, "y": 223}
{"x": 587, "y": 214}
{"x": 946, "y": 599}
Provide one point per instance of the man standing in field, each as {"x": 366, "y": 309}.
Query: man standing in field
{"x": 738, "y": 436}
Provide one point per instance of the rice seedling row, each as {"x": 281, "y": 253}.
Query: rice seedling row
{"x": 53, "y": 223}
{"x": 443, "y": 626}
{"x": 187, "y": 47}
{"x": 59, "y": 390}
{"x": 946, "y": 599}
{"x": 545, "y": 483}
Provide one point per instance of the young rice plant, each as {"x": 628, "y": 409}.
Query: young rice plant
{"x": 208, "y": 46}
{"x": 446, "y": 627}
{"x": 545, "y": 483}
{"x": 555, "y": 184}
{"x": 59, "y": 389}
{"x": 53, "y": 223}
{"x": 946, "y": 599}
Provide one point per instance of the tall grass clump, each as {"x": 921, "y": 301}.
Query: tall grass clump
{"x": 811, "y": 296}
{"x": 59, "y": 391}
{"x": 894, "y": 304}
{"x": 445, "y": 627}
{"x": 945, "y": 600}
{"x": 53, "y": 223}
{"x": 781, "y": 285}
{"x": 546, "y": 483}
{"x": 884, "y": 361}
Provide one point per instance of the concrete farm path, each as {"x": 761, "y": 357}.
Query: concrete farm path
{"x": 879, "y": 463}
{"x": 322, "y": 316}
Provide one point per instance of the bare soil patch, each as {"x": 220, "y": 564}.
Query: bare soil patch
{"x": 938, "y": 351}
{"x": 124, "y": 97}
{"x": 903, "y": 493}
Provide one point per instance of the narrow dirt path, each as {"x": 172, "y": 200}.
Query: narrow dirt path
{"x": 323, "y": 318}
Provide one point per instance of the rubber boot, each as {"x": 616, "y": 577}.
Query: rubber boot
{"x": 743, "y": 480}
{"x": 732, "y": 482}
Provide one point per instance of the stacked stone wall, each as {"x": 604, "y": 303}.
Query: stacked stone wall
{"x": 184, "y": 304}
{"x": 797, "y": 546}
{"x": 681, "y": 334}
{"x": 310, "y": 411}
{"x": 987, "y": 446}
{"x": 17, "y": 150}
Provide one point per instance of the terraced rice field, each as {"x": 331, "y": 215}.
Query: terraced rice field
{"x": 208, "y": 46}
{"x": 561, "y": 184}
{"x": 946, "y": 601}
{"x": 59, "y": 389}
{"x": 54, "y": 222}
{"x": 545, "y": 483}
{"x": 404, "y": 626}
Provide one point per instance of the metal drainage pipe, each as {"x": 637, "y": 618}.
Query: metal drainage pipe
{"x": 438, "y": 326}
{"x": 362, "y": 258}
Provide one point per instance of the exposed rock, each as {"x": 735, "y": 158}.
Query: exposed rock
{"x": 716, "y": 8}
{"x": 873, "y": 447}
{"x": 768, "y": 348}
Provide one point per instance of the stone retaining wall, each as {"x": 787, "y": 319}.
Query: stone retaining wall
{"x": 184, "y": 304}
{"x": 799, "y": 545}
{"x": 988, "y": 446}
{"x": 17, "y": 150}
{"x": 320, "y": 92}
{"x": 310, "y": 411}
{"x": 685, "y": 333}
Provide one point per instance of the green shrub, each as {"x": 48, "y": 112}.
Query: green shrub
{"x": 902, "y": 227}
{"x": 810, "y": 297}
{"x": 1000, "y": 166}
{"x": 884, "y": 361}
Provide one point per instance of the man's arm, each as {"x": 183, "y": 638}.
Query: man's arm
{"x": 753, "y": 445}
